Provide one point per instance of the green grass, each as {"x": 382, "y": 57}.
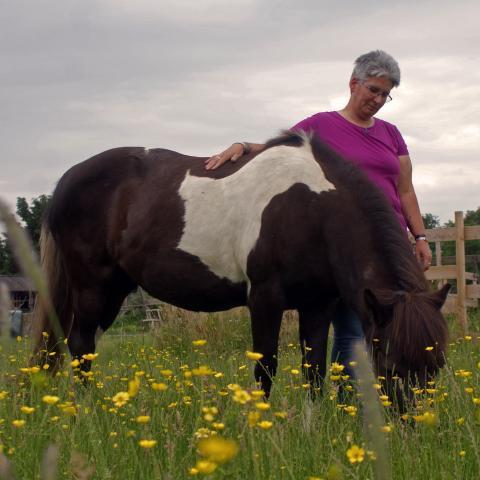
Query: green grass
{"x": 311, "y": 441}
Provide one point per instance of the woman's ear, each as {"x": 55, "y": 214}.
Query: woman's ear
{"x": 353, "y": 84}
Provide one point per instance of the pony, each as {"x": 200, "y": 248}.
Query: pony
{"x": 293, "y": 227}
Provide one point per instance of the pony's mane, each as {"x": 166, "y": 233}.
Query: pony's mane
{"x": 390, "y": 240}
{"x": 420, "y": 336}
{"x": 416, "y": 325}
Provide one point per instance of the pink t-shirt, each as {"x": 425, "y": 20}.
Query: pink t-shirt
{"x": 375, "y": 149}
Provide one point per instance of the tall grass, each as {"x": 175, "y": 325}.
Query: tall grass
{"x": 305, "y": 439}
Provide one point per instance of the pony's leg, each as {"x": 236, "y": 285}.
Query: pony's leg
{"x": 93, "y": 309}
{"x": 266, "y": 304}
{"x": 313, "y": 329}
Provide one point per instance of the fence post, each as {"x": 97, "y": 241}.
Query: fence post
{"x": 438, "y": 256}
{"x": 460, "y": 260}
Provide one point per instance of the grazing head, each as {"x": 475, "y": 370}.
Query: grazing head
{"x": 408, "y": 336}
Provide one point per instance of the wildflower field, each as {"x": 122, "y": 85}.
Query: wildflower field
{"x": 179, "y": 402}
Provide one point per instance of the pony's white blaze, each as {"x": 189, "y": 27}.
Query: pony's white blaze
{"x": 223, "y": 216}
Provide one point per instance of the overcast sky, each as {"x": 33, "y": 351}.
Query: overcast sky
{"x": 81, "y": 76}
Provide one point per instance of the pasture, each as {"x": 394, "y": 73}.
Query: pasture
{"x": 152, "y": 396}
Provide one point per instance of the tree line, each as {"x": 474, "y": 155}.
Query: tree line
{"x": 31, "y": 214}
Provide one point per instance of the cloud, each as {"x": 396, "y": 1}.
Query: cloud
{"x": 78, "y": 77}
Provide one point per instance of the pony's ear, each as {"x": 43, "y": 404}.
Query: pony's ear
{"x": 440, "y": 296}
{"x": 379, "y": 304}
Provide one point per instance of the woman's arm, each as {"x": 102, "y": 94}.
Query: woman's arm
{"x": 411, "y": 211}
{"x": 233, "y": 153}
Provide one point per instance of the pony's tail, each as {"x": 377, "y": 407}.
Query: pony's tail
{"x": 48, "y": 325}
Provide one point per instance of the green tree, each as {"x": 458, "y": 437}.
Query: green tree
{"x": 472, "y": 247}
{"x": 472, "y": 217}
{"x": 431, "y": 221}
{"x": 32, "y": 215}
{"x": 8, "y": 266}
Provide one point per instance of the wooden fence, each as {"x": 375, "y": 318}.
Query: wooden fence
{"x": 468, "y": 288}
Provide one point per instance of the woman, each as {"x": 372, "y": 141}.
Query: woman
{"x": 378, "y": 148}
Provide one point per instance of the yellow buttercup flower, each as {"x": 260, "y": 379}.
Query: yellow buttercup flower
{"x": 133, "y": 387}
{"x": 428, "y": 418}
{"x": 336, "y": 368}
{"x": 159, "y": 387}
{"x": 253, "y": 418}
{"x": 202, "y": 370}
{"x": 143, "y": 419}
{"x": 217, "y": 449}
{"x": 351, "y": 410}
{"x": 27, "y": 410}
{"x": 253, "y": 355}
{"x": 262, "y": 405}
{"x": 90, "y": 356}
{"x": 120, "y": 399}
{"x": 241, "y": 396}
{"x": 34, "y": 369}
{"x": 257, "y": 393}
{"x": 70, "y": 409}
{"x": 265, "y": 424}
{"x": 355, "y": 454}
{"x": 18, "y": 423}
{"x": 147, "y": 443}
{"x": 50, "y": 399}
{"x": 205, "y": 466}
{"x": 199, "y": 343}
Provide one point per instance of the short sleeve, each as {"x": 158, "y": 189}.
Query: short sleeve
{"x": 304, "y": 125}
{"x": 402, "y": 148}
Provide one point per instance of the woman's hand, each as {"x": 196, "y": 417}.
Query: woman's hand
{"x": 232, "y": 153}
{"x": 423, "y": 254}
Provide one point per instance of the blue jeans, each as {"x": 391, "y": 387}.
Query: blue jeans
{"x": 347, "y": 329}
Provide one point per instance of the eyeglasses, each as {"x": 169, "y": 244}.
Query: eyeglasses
{"x": 375, "y": 91}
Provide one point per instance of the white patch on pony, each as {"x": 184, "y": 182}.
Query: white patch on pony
{"x": 223, "y": 216}
{"x": 98, "y": 335}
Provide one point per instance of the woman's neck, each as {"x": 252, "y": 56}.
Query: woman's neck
{"x": 350, "y": 115}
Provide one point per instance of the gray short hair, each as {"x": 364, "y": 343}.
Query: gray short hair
{"x": 377, "y": 63}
